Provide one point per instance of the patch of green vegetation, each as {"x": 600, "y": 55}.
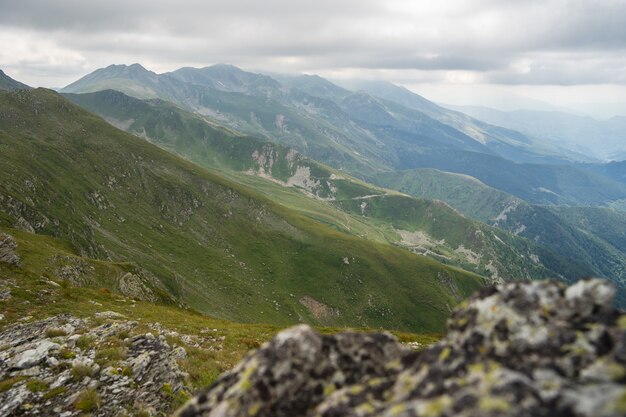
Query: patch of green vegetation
{"x": 110, "y": 355}
{"x": 356, "y": 207}
{"x": 65, "y": 353}
{"x": 194, "y": 237}
{"x": 85, "y": 342}
{"x": 54, "y": 332}
{"x": 80, "y": 371}
{"x": 37, "y": 385}
{"x": 87, "y": 401}
{"x": 7, "y": 384}
{"x": 54, "y": 392}
{"x": 123, "y": 334}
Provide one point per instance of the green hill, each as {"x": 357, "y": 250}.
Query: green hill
{"x": 209, "y": 243}
{"x": 594, "y": 236}
{"x": 332, "y": 197}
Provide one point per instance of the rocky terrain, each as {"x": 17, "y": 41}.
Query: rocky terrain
{"x": 520, "y": 349}
{"x": 65, "y": 366}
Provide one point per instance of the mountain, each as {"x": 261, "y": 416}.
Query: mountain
{"x": 9, "y": 84}
{"x": 334, "y": 198}
{"x": 594, "y": 236}
{"x": 585, "y": 135}
{"x": 355, "y": 132}
{"x": 207, "y": 242}
{"x": 316, "y": 86}
{"x": 463, "y": 192}
{"x": 615, "y": 170}
{"x": 510, "y": 144}
{"x": 228, "y": 78}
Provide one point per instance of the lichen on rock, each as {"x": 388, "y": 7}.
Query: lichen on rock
{"x": 519, "y": 349}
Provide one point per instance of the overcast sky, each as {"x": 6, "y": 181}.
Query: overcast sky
{"x": 568, "y": 52}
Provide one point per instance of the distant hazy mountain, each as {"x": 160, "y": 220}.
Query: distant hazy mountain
{"x": 363, "y": 134}
{"x": 9, "y": 84}
{"x": 604, "y": 139}
{"x": 508, "y": 143}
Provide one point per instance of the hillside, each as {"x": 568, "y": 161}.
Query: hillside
{"x": 9, "y": 84}
{"x": 101, "y": 328}
{"x": 535, "y": 183}
{"x": 331, "y": 197}
{"x": 465, "y": 193}
{"x": 209, "y": 243}
{"x": 594, "y": 236}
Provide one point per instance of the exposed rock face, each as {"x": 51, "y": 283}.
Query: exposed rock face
{"x": 45, "y": 366}
{"x": 7, "y": 250}
{"x": 520, "y": 349}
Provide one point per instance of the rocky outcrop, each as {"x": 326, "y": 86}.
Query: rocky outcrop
{"x": 7, "y": 250}
{"x": 520, "y": 349}
{"x": 66, "y": 366}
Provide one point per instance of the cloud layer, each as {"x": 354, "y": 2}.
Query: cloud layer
{"x": 509, "y": 42}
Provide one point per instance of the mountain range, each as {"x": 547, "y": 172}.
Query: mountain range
{"x": 289, "y": 198}
{"x": 604, "y": 139}
{"x": 364, "y": 134}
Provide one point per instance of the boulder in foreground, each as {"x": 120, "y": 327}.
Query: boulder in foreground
{"x": 520, "y": 349}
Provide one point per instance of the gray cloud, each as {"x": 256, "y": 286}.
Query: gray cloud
{"x": 496, "y": 41}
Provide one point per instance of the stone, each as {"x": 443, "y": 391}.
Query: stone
{"x": 26, "y": 345}
{"x": 8, "y": 248}
{"x": 52, "y": 361}
{"x": 109, "y": 315}
{"x": 535, "y": 348}
{"x": 34, "y": 355}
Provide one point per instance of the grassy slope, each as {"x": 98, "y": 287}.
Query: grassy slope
{"x": 350, "y": 205}
{"x": 32, "y": 294}
{"x": 592, "y": 235}
{"x": 215, "y": 245}
{"x": 466, "y": 194}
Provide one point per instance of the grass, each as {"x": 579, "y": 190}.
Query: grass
{"x": 54, "y": 392}
{"x": 7, "y": 384}
{"x": 231, "y": 156}
{"x": 87, "y": 401}
{"x": 37, "y": 385}
{"x": 195, "y": 238}
{"x": 110, "y": 355}
{"x": 202, "y": 365}
{"x": 84, "y": 342}
{"x": 81, "y": 371}
{"x": 66, "y": 353}
{"x": 54, "y": 332}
